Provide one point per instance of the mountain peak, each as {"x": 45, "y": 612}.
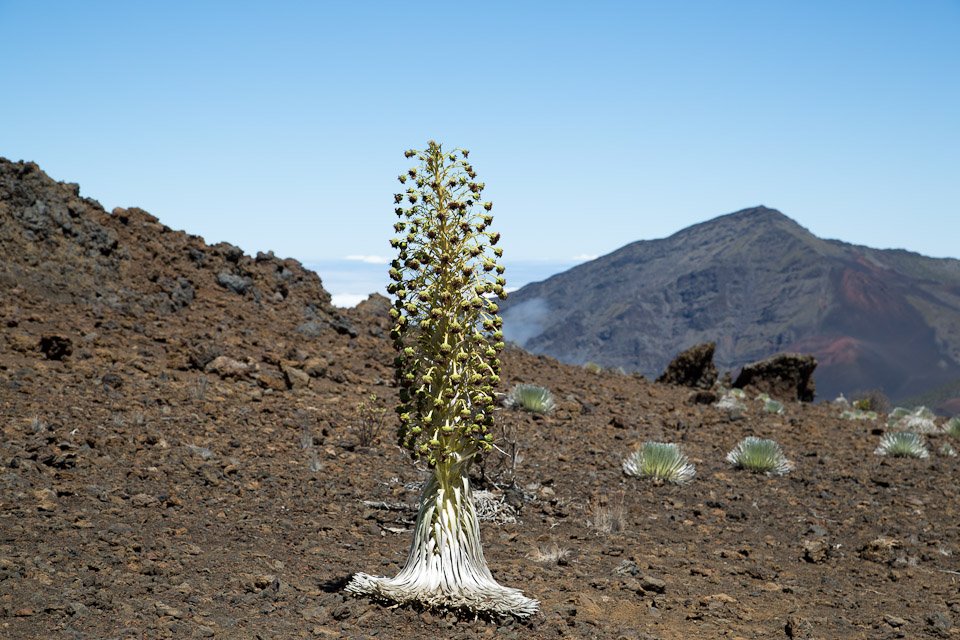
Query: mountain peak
{"x": 755, "y": 282}
{"x": 758, "y": 215}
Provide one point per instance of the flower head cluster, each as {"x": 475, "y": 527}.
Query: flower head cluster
{"x": 446, "y": 330}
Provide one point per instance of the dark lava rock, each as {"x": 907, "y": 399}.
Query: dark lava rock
{"x": 181, "y": 292}
{"x": 55, "y": 347}
{"x": 237, "y": 284}
{"x": 786, "y": 376}
{"x": 311, "y": 329}
{"x": 692, "y": 368}
{"x": 702, "y": 397}
{"x": 111, "y": 380}
{"x": 314, "y": 328}
{"x": 343, "y": 326}
{"x": 200, "y": 354}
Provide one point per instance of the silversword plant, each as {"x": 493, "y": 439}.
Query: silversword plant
{"x": 732, "y": 402}
{"x": 660, "y": 461}
{"x": 952, "y": 427}
{"x": 759, "y": 455}
{"x": 858, "y": 414}
{"x": 902, "y": 444}
{"x": 772, "y": 406}
{"x": 531, "y": 397}
{"x": 918, "y": 420}
{"x": 448, "y": 338}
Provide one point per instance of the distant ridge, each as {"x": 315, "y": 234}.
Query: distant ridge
{"x": 757, "y": 283}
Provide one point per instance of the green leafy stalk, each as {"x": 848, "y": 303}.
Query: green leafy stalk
{"x": 448, "y": 338}
{"x": 446, "y": 329}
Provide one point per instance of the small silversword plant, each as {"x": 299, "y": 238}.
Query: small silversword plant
{"x": 660, "y": 461}
{"x": 732, "y": 402}
{"x": 918, "y": 420}
{"x": 952, "y": 427}
{"x": 858, "y": 414}
{"x": 448, "y": 338}
{"x": 593, "y": 367}
{"x": 902, "y": 444}
{"x": 759, "y": 455}
{"x": 531, "y": 397}
{"x": 772, "y": 406}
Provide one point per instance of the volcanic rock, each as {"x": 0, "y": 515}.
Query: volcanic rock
{"x": 787, "y": 376}
{"x": 692, "y": 368}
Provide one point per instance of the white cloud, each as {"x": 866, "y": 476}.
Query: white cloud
{"x": 585, "y": 257}
{"x": 368, "y": 259}
{"x": 344, "y": 300}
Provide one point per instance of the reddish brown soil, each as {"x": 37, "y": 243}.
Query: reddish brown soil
{"x": 149, "y": 490}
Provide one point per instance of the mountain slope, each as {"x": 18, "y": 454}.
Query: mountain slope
{"x": 91, "y": 277}
{"x": 756, "y": 283}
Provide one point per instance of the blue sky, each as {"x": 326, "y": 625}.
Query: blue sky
{"x": 281, "y": 125}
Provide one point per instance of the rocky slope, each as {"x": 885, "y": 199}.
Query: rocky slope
{"x": 756, "y": 283}
{"x": 182, "y": 456}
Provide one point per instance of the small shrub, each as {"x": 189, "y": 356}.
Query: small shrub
{"x": 370, "y": 421}
{"x": 551, "y": 554}
{"x": 531, "y": 397}
{"x": 872, "y": 400}
{"x": 606, "y": 518}
{"x": 947, "y": 450}
{"x": 902, "y": 444}
{"x": 660, "y": 461}
{"x": 199, "y": 389}
{"x": 593, "y": 367}
{"x": 499, "y": 466}
{"x": 493, "y": 507}
{"x": 759, "y": 456}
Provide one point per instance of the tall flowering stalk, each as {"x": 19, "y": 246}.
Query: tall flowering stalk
{"x": 448, "y": 338}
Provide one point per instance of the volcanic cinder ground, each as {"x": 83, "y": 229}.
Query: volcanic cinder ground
{"x": 182, "y": 456}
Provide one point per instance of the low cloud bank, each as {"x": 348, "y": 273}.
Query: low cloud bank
{"x": 525, "y": 321}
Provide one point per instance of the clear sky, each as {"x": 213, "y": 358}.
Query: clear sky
{"x": 281, "y": 125}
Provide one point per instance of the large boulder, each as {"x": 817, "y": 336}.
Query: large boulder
{"x": 692, "y": 368}
{"x": 785, "y": 376}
